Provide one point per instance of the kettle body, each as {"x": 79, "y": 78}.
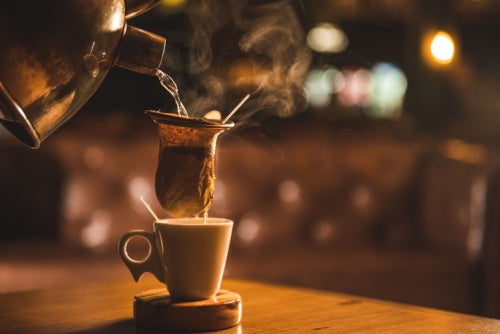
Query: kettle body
{"x": 55, "y": 55}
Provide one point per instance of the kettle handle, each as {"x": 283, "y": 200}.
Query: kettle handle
{"x": 137, "y": 7}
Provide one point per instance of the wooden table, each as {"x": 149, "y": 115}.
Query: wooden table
{"x": 107, "y": 308}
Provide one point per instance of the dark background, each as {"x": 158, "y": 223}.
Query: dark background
{"x": 402, "y": 207}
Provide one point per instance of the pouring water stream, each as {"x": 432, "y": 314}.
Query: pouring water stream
{"x": 170, "y": 85}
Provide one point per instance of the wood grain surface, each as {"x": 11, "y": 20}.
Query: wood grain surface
{"x": 155, "y": 309}
{"x": 107, "y": 308}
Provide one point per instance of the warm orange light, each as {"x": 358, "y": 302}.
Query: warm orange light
{"x": 245, "y": 72}
{"x": 167, "y": 7}
{"x": 173, "y": 3}
{"x": 442, "y": 47}
{"x": 439, "y": 48}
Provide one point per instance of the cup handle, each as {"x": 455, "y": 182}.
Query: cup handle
{"x": 151, "y": 263}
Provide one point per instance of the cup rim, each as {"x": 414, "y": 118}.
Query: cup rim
{"x": 192, "y": 122}
{"x": 194, "y": 221}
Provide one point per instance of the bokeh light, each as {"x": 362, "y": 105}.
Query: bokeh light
{"x": 442, "y": 47}
{"x": 439, "y": 48}
{"x": 139, "y": 186}
{"x": 248, "y": 228}
{"x": 93, "y": 157}
{"x": 380, "y": 90}
{"x": 360, "y": 197}
{"x": 388, "y": 92}
{"x": 171, "y": 6}
{"x": 327, "y": 38}
{"x": 357, "y": 89}
{"x": 323, "y": 231}
{"x": 321, "y": 84}
{"x": 75, "y": 201}
{"x": 97, "y": 231}
{"x": 289, "y": 191}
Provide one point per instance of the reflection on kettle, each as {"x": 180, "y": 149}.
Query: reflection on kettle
{"x": 92, "y": 61}
{"x": 51, "y": 65}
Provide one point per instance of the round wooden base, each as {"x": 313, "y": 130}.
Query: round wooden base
{"x": 155, "y": 309}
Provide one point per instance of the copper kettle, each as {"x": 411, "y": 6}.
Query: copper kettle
{"x": 55, "y": 54}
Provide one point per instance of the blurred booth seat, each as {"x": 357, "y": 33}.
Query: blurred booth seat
{"x": 364, "y": 208}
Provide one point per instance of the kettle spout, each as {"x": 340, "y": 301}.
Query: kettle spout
{"x": 140, "y": 51}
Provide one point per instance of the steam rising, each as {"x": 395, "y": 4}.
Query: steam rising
{"x": 239, "y": 48}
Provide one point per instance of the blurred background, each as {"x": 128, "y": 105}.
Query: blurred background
{"x": 366, "y": 161}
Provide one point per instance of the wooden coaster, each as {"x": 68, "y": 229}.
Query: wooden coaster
{"x": 155, "y": 309}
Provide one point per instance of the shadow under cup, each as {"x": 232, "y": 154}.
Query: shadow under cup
{"x": 186, "y": 254}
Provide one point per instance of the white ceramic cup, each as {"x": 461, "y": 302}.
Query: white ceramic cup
{"x": 186, "y": 254}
